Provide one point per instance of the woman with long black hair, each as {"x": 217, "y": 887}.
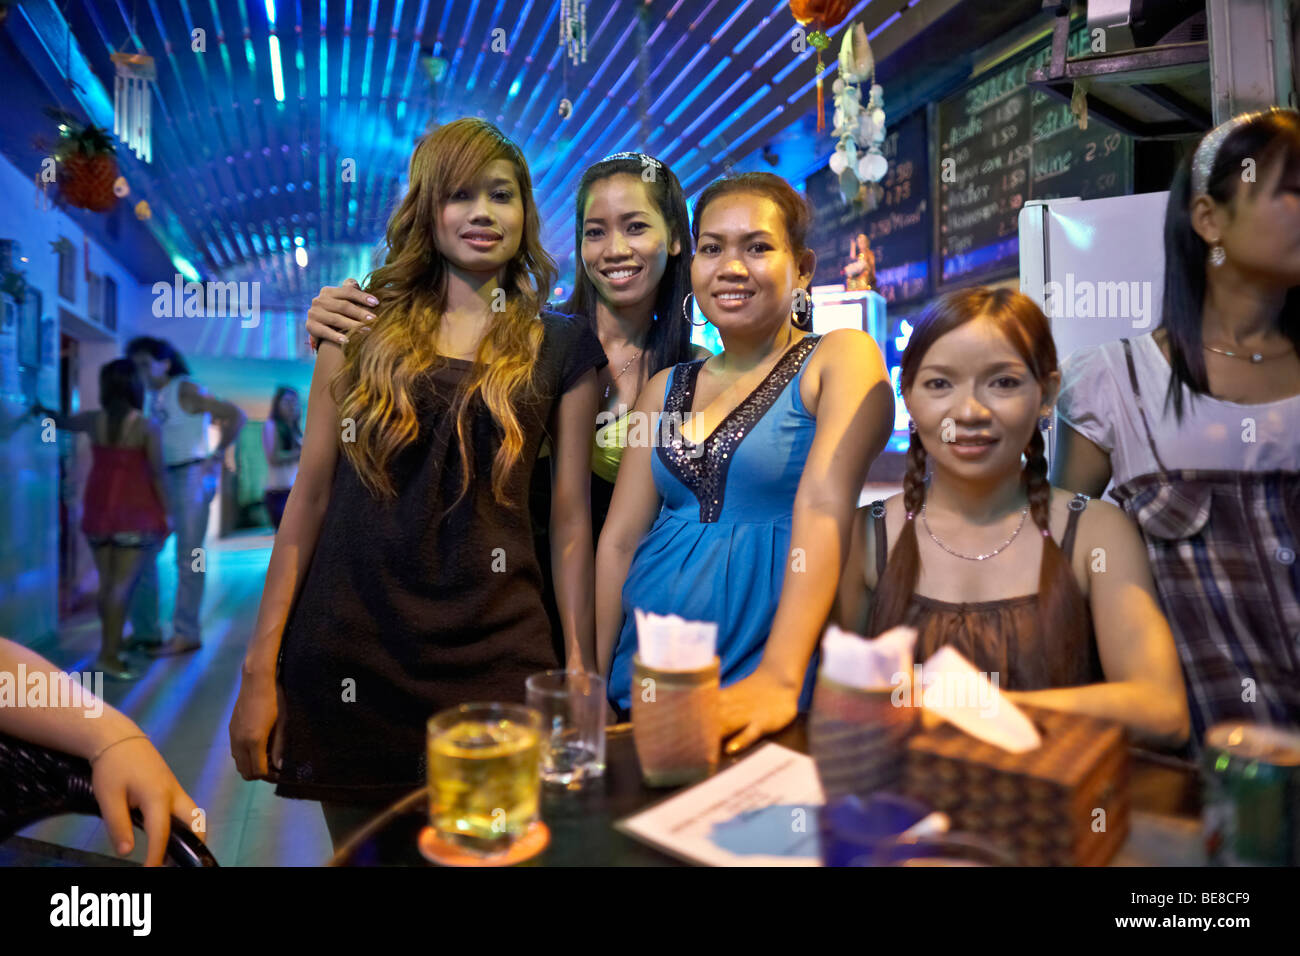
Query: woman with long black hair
{"x": 1195, "y": 423}
{"x": 633, "y": 245}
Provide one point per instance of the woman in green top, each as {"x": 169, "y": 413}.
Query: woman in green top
{"x": 633, "y": 240}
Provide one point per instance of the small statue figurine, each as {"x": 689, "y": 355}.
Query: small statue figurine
{"x": 860, "y": 273}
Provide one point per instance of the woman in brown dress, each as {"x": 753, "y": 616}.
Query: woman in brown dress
{"x": 1073, "y": 626}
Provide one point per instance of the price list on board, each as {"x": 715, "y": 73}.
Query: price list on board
{"x": 1002, "y": 143}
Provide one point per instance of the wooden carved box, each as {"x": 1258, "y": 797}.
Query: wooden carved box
{"x": 1065, "y": 803}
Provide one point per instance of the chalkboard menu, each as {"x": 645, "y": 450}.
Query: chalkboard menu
{"x": 1001, "y": 143}
{"x": 898, "y": 230}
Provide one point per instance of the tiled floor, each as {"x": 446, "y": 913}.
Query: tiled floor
{"x": 184, "y": 705}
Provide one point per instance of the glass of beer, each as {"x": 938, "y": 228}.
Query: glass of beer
{"x": 484, "y": 775}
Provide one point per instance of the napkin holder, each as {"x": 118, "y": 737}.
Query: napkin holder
{"x": 1065, "y": 803}
{"x": 857, "y": 738}
{"x": 676, "y": 722}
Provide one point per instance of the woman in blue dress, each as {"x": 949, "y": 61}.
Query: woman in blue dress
{"x": 741, "y": 517}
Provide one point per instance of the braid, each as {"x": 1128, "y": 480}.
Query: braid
{"x": 914, "y": 477}
{"x": 895, "y": 588}
{"x": 1036, "y": 486}
{"x": 1061, "y": 607}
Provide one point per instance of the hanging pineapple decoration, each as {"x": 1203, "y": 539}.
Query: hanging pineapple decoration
{"x": 86, "y": 163}
{"x": 132, "y": 102}
{"x": 821, "y": 15}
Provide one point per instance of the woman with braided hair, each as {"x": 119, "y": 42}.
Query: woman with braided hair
{"x": 969, "y": 556}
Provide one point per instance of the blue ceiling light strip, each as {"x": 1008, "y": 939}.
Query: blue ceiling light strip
{"x": 528, "y": 62}
{"x": 484, "y": 48}
{"x": 789, "y": 68}
{"x": 383, "y": 133}
{"x": 510, "y": 40}
{"x": 353, "y": 117}
{"x": 734, "y": 17}
{"x": 654, "y": 107}
{"x": 347, "y": 48}
{"x": 277, "y": 76}
{"x": 160, "y": 101}
{"x": 322, "y": 179}
{"x": 686, "y": 133}
{"x": 244, "y": 116}
{"x": 422, "y": 22}
{"x": 877, "y": 30}
{"x": 779, "y": 9}
{"x": 550, "y": 31}
{"x": 297, "y": 161}
{"x": 370, "y": 52}
{"x": 699, "y": 88}
{"x": 537, "y": 89}
{"x": 666, "y": 62}
{"x": 741, "y": 110}
{"x": 459, "y": 53}
{"x": 442, "y": 28}
{"x": 369, "y": 120}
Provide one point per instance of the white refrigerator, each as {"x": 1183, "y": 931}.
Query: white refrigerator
{"x": 1095, "y": 267}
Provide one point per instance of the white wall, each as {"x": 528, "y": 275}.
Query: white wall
{"x": 29, "y": 484}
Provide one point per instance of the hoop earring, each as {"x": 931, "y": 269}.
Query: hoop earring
{"x": 686, "y": 314}
{"x": 1217, "y": 255}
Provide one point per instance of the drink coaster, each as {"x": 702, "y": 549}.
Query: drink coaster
{"x": 437, "y": 850}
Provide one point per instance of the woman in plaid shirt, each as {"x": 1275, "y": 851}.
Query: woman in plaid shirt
{"x": 1196, "y": 426}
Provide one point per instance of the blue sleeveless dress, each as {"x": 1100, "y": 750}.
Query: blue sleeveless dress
{"x": 719, "y": 549}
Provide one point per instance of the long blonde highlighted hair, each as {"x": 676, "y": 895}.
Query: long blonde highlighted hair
{"x": 374, "y": 386}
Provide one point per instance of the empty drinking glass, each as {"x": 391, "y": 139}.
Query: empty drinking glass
{"x": 572, "y": 705}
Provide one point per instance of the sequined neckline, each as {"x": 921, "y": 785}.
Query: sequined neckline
{"x": 705, "y": 473}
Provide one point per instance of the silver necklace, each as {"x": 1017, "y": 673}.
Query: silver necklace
{"x": 1253, "y": 356}
{"x": 614, "y": 380}
{"x": 974, "y": 557}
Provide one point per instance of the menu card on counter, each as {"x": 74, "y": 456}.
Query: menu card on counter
{"x": 1000, "y": 143}
{"x": 761, "y": 811}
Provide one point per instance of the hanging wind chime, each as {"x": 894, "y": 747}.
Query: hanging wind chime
{"x": 132, "y": 102}
{"x": 860, "y": 130}
{"x": 573, "y": 29}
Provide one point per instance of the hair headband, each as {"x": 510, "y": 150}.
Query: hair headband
{"x": 1208, "y": 151}
{"x": 640, "y": 157}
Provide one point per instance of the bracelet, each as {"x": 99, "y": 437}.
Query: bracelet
{"x": 115, "y": 743}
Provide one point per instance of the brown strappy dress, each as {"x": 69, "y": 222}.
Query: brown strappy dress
{"x": 1001, "y": 637}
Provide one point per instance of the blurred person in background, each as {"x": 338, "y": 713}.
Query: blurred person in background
{"x": 182, "y": 410}
{"x": 282, "y": 442}
{"x": 125, "y": 513}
